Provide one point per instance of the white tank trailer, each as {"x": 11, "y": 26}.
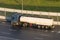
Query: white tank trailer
{"x": 38, "y": 22}
{"x": 33, "y": 22}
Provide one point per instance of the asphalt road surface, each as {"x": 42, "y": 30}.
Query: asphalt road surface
{"x": 7, "y": 33}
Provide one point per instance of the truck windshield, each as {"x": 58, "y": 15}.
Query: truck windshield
{"x": 15, "y": 18}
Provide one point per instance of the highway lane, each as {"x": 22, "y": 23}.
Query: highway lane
{"x": 7, "y": 33}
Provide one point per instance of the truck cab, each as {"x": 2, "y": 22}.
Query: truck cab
{"x": 15, "y": 19}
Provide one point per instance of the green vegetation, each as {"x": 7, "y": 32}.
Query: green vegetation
{"x": 37, "y": 5}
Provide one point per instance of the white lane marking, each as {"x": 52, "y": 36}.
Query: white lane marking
{"x": 7, "y": 38}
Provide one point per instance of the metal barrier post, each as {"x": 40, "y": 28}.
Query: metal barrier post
{"x": 5, "y": 13}
{"x": 22, "y": 6}
{"x": 57, "y": 19}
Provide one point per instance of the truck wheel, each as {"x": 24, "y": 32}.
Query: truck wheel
{"x": 24, "y": 25}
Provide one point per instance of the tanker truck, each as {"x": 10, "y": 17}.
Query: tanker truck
{"x": 19, "y": 20}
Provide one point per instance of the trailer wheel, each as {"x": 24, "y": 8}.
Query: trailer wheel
{"x": 46, "y": 27}
{"x": 42, "y": 27}
{"x": 39, "y": 26}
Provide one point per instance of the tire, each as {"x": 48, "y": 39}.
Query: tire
{"x": 39, "y": 26}
{"x": 46, "y": 27}
{"x": 42, "y": 27}
{"x": 25, "y": 25}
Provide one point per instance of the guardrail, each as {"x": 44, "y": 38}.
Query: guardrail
{"x": 30, "y": 12}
